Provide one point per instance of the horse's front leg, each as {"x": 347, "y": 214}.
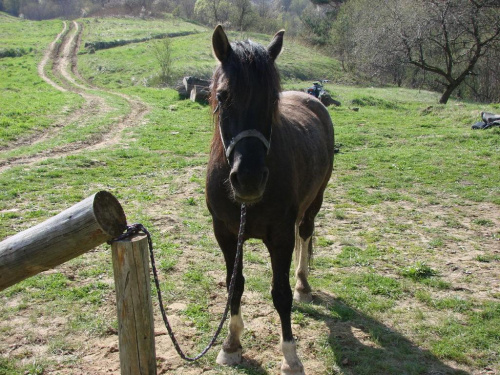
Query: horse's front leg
{"x": 230, "y": 354}
{"x": 281, "y": 249}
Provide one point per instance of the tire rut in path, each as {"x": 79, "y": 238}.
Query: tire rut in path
{"x": 62, "y": 53}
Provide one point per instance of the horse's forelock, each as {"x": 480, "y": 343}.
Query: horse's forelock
{"x": 252, "y": 64}
{"x": 249, "y": 67}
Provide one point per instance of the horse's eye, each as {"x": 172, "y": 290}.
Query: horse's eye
{"x": 221, "y": 96}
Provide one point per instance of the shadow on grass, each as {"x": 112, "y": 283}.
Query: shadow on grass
{"x": 251, "y": 367}
{"x": 362, "y": 345}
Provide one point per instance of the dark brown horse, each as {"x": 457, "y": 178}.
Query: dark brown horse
{"x": 273, "y": 151}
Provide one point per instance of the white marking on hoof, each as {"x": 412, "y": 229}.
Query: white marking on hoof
{"x": 229, "y": 359}
{"x": 302, "y": 297}
{"x": 291, "y": 364}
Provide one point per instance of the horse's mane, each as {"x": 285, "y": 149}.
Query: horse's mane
{"x": 248, "y": 67}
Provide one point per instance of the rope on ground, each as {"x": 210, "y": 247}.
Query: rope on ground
{"x": 137, "y": 228}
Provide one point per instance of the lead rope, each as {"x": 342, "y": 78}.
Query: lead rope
{"x": 136, "y": 228}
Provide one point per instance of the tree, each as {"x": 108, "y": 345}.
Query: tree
{"x": 242, "y": 13}
{"x": 457, "y": 34}
{"x": 185, "y": 8}
{"x": 445, "y": 38}
{"x": 484, "y": 84}
{"x": 138, "y": 5}
{"x": 12, "y": 7}
{"x": 343, "y": 39}
{"x": 212, "y": 12}
{"x": 317, "y": 22}
{"x": 66, "y": 8}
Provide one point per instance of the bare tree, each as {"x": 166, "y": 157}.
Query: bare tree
{"x": 456, "y": 34}
{"x": 187, "y": 8}
{"x": 13, "y": 6}
{"x": 137, "y": 5}
{"x": 484, "y": 83}
{"x": 445, "y": 38}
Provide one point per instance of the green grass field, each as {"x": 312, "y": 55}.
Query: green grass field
{"x": 407, "y": 265}
{"x": 28, "y": 104}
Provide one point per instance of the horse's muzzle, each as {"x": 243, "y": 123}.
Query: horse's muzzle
{"x": 248, "y": 186}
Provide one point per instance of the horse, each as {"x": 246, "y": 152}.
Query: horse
{"x": 272, "y": 151}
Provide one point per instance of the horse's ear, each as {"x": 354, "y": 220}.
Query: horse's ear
{"x": 274, "y": 48}
{"x": 220, "y": 44}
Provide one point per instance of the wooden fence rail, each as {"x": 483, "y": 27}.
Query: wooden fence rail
{"x": 80, "y": 228}
{"x": 73, "y": 232}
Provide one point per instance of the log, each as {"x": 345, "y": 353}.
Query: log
{"x": 190, "y": 82}
{"x": 182, "y": 91}
{"x": 80, "y": 228}
{"x": 199, "y": 94}
{"x": 134, "y": 307}
{"x": 327, "y": 100}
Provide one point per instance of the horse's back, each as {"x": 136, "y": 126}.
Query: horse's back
{"x": 305, "y": 118}
{"x": 304, "y": 110}
{"x": 306, "y": 129}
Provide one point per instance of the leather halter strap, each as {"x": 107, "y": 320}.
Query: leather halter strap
{"x": 252, "y": 133}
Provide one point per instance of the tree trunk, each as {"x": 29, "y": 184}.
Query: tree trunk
{"x": 447, "y": 93}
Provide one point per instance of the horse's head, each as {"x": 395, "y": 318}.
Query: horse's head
{"x": 245, "y": 94}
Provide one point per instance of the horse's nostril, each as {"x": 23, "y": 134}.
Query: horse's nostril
{"x": 234, "y": 179}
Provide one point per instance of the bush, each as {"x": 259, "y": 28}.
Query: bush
{"x": 13, "y": 52}
{"x": 163, "y": 56}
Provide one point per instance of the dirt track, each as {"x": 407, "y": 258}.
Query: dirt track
{"x": 64, "y": 76}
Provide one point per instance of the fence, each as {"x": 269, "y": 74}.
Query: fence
{"x": 81, "y": 228}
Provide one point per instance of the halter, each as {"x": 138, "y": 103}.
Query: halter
{"x": 251, "y": 133}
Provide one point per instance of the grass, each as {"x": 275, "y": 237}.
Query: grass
{"x": 131, "y": 65}
{"x": 127, "y": 28}
{"x": 417, "y": 151}
{"x": 405, "y": 267}
{"x": 418, "y": 272}
{"x": 28, "y": 103}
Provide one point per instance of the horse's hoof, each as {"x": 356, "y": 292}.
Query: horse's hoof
{"x": 302, "y": 297}
{"x": 229, "y": 359}
{"x": 294, "y": 368}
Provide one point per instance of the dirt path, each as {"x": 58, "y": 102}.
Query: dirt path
{"x": 62, "y": 54}
{"x": 49, "y": 56}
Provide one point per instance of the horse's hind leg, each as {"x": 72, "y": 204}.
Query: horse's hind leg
{"x": 304, "y": 250}
{"x": 230, "y": 354}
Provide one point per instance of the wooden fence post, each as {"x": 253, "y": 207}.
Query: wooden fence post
{"x": 80, "y": 228}
{"x": 134, "y": 307}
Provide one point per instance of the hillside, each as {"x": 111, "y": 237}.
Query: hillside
{"x": 191, "y": 55}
